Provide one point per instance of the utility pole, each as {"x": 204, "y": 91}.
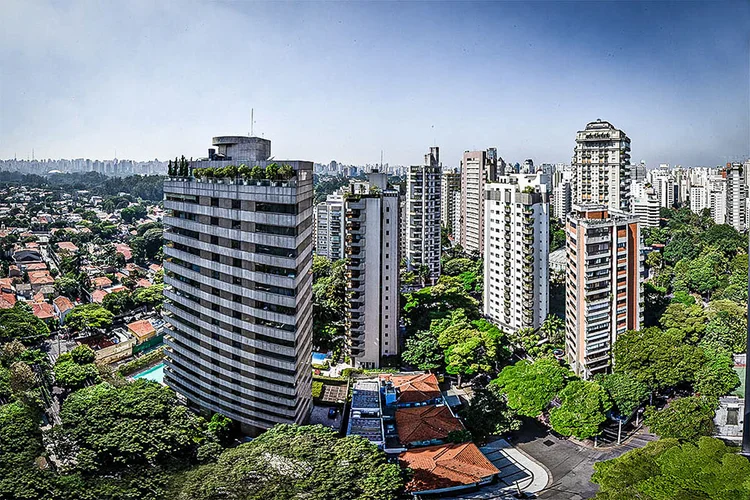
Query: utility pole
{"x": 746, "y": 421}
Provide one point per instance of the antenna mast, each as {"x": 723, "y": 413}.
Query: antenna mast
{"x": 252, "y": 120}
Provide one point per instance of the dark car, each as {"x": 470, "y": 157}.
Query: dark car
{"x": 332, "y": 412}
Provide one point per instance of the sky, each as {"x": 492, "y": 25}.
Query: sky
{"x": 344, "y": 81}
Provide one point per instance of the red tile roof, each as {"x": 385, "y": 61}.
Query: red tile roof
{"x": 98, "y": 296}
{"x": 42, "y": 310}
{"x": 143, "y": 283}
{"x": 142, "y": 329}
{"x": 67, "y": 246}
{"x": 446, "y": 466}
{"x": 7, "y": 300}
{"x": 101, "y": 282}
{"x": 36, "y": 266}
{"x": 41, "y": 278}
{"x": 124, "y": 250}
{"x": 424, "y": 423}
{"x": 63, "y": 303}
{"x": 415, "y": 388}
{"x": 6, "y": 284}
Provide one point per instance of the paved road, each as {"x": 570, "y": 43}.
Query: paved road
{"x": 570, "y": 464}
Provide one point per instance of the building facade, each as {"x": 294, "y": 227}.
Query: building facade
{"x": 602, "y": 162}
{"x": 477, "y": 168}
{"x": 563, "y": 199}
{"x": 450, "y": 205}
{"x": 372, "y": 262}
{"x": 645, "y": 204}
{"x": 737, "y": 195}
{"x": 516, "y": 270}
{"x": 329, "y": 227}
{"x": 421, "y": 245}
{"x": 603, "y": 285}
{"x": 238, "y": 295}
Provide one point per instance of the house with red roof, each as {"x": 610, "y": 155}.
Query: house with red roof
{"x": 7, "y": 300}
{"x": 101, "y": 282}
{"x": 43, "y": 311}
{"x": 142, "y": 283}
{"x": 447, "y": 468}
{"x": 38, "y": 279}
{"x": 98, "y": 295}
{"x": 67, "y": 246}
{"x": 124, "y": 249}
{"x": 425, "y": 425}
{"x": 62, "y": 306}
{"x": 411, "y": 390}
{"x": 6, "y": 285}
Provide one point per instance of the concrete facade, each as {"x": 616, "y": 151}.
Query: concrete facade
{"x": 372, "y": 264}
{"x": 421, "y": 245}
{"x": 450, "y": 204}
{"x": 238, "y": 300}
{"x": 602, "y": 162}
{"x": 477, "y": 168}
{"x": 603, "y": 285}
{"x": 516, "y": 269}
{"x": 736, "y": 196}
{"x": 329, "y": 227}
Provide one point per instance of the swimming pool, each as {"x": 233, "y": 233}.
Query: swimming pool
{"x": 155, "y": 373}
{"x": 319, "y": 357}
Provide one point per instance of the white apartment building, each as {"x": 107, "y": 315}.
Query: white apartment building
{"x": 718, "y": 199}
{"x": 516, "y": 270}
{"x": 421, "y": 246}
{"x": 238, "y": 294}
{"x": 664, "y": 187}
{"x": 450, "y": 185}
{"x": 477, "y": 168}
{"x": 736, "y": 202}
{"x": 602, "y": 162}
{"x": 329, "y": 227}
{"x": 563, "y": 199}
{"x": 698, "y": 199}
{"x": 372, "y": 262}
{"x": 603, "y": 285}
{"x": 645, "y": 204}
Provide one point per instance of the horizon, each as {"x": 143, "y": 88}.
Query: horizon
{"x": 345, "y": 81}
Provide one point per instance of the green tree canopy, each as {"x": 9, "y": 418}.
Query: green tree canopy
{"x": 583, "y": 409}
{"x": 685, "y": 418}
{"x": 627, "y": 393}
{"x": 529, "y": 387}
{"x": 488, "y": 414}
{"x": 290, "y": 461}
{"x": 716, "y": 377}
{"x": 19, "y": 322}
{"x": 20, "y": 445}
{"x": 423, "y": 351}
{"x": 683, "y": 321}
{"x": 89, "y": 316}
{"x": 117, "y": 302}
{"x": 669, "y": 470}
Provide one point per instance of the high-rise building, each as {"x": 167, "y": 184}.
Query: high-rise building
{"x": 421, "y": 246}
{"x": 516, "y": 272}
{"x": 329, "y": 227}
{"x": 664, "y": 187}
{"x": 477, "y": 168}
{"x": 699, "y": 199}
{"x": 736, "y": 196}
{"x": 602, "y": 162}
{"x": 372, "y": 261}
{"x": 603, "y": 285}
{"x": 645, "y": 204}
{"x": 449, "y": 186}
{"x": 238, "y": 300}
{"x": 717, "y": 199}
{"x": 563, "y": 199}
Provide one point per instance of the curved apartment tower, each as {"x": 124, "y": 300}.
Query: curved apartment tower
{"x": 237, "y": 261}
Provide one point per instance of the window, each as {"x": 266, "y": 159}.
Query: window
{"x": 214, "y": 202}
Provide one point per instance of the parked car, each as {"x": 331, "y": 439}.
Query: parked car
{"x": 332, "y": 412}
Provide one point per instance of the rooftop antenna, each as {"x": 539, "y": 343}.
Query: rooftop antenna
{"x": 381, "y": 159}
{"x": 252, "y": 121}
{"x": 32, "y": 154}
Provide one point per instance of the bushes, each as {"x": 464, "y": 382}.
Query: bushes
{"x": 317, "y": 389}
{"x": 142, "y": 362}
{"x": 272, "y": 172}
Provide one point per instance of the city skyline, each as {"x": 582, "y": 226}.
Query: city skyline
{"x": 153, "y": 81}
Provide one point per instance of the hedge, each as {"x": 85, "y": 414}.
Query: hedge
{"x": 142, "y": 362}
{"x": 317, "y": 389}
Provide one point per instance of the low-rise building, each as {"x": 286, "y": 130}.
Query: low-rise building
{"x": 405, "y": 391}
{"x": 62, "y": 306}
{"x": 426, "y": 425}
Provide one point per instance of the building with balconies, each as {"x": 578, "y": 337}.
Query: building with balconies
{"x": 601, "y": 159}
{"x": 516, "y": 270}
{"x": 329, "y": 227}
{"x": 371, "y": 247}
{"x": 737, "y": 195}
{"x": 477, "y": 168}
{"x": 238, "y": 295}
{"x": 450, "y": 200}
{"x": 603, "y": 296}
{"x": 421, "y": 244}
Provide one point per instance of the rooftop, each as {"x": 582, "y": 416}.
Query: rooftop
{"x": 446, "y": 466}
{"x": 414, "y": 388}
{"x": 425, "y": 423}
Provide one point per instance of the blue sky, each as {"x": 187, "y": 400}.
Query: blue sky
{"x": 345, "y": 80}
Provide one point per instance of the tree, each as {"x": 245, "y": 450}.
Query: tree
{"x": 89, "y": 316}
{"x": 153, "y": 240}
{"x": 72, "y": 375}
{"x": 654, "y": 260}
{"x": 83, "y": 354}
{"x": 685, "y": 418}
{"x": 321, "y": 267}
{"x": 20, "y": 445}
{"x": 682, "y": 246}
{"x": 656, "y": 358}
{"x": 668, "y": 470}
{"x": 220, "y": 427}
{"x": 529, "y": 387}
{"x": 290, "y": 461}
{"x": 717, "y": 377}
{"x": 151, "y": 296}
{"x": 22, "y": 377}
{"x": 286, "y": 172}
{"x": 465, "y": 358}
{"x": 67, "y": 285}
{"x": 19, "y": 322}
{"x": 132, "y": 213}
{"x": 725, "y": 238}
{"x": 554, "y": 329}
{"x": 257, "y": 173}
{"x": 488, "y": 414}
{"x": 656, "y": 301}
{"x": 455, "y": 267}
{"x": 117, "y": 302}
{"x": 684, "y": 321}
{"x": 423, "y": 351}
{"x": 272, "y": 171}
{"x": 583, "y": 410}
{"x": 626, "y": 392}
